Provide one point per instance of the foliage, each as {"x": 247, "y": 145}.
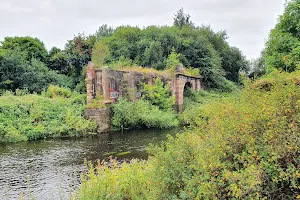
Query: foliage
{"x": 30, "y": 47}
{"x": 258, "y": 67}
{"x": 193, "y": 100}
{"x": 37, "y": 77}
{"x": 104, "y": 31}
{"x": 79, "y": 51}
{"x": 59, "y": 60}
{"x": 141, "y": 113}
{"x": 100, "y": 53}
{"x": 161, "y": 47}
{"x": 16, "y": 72}
{"x": 159, "y": 95}
{"x": 173, "y": 60}
{"x": 181, "y": 19}
{"x": 283, "y": 47}
{"x": 57, "y": 112}
{"x": 245, "y": 146}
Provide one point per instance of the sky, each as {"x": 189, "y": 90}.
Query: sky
{"x": 247, "y": 22}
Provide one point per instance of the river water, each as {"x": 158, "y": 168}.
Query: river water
{"x": 49, "y": 169}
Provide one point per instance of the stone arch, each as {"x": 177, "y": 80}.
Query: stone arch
{"x": 181, "y": 83}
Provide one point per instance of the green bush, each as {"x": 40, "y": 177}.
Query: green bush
{"x": 57, "y": 112}
{"x": 159, "y": 95}
{"x": 245, "y": 146}
{"x": 128, "y": 114}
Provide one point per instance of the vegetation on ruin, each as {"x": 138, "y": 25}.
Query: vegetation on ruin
{"x": 56, "y": 112}
{"x": 154, "y": 110}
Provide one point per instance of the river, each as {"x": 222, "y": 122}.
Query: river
{"x": 48, "y": 169}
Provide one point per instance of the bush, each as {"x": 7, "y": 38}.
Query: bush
{"x": 31, "y": 117}
{"x": 159, "y": 95}
{"x": 245, "y": 146}
{"x": 128, "y": 114}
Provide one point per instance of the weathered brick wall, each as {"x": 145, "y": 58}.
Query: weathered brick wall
{"x": 110, "y": 84}
{"x": 101, "y": 116}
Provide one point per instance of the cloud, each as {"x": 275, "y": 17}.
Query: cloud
{"x": 55, "y": 21}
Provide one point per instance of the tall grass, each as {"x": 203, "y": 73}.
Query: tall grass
{"x": 57, "y": 112}
{"x": 245, "y": 146}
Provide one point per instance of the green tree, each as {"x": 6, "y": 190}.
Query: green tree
{"x": 12, "y": 66}
{"x": 31, "y": 47}
{"x": 283, "y": 47}
{"x": 104, "y": 31}
{"x": 100, "y": 53}
{"x": 37, "y": 77}
{"x": 181, "y": 19}
{"x": 258, "y": 67}
{"x": 58, "y": 60}
{"x": 79, "y": 51}
{"x": 173, "y": 60}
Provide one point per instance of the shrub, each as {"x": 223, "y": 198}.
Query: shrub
{"x": 31, "y": 116}
{"x": 159, "y": 95}
{"x": 128, "y": 114}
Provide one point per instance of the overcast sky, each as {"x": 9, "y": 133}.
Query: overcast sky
{"x": 247, "y": 22}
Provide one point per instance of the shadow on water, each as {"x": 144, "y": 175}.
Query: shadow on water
{"x": 45, "y": 169}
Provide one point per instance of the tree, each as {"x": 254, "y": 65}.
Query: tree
{"x": 181, "y": 19}
{"x": 17, "y": 73}
{"x": 258, "y": 67}
{"x": 31, "y": 47}
{"x": 100, "y": 53}
{"x": 79, "y": 51}
{"x": 104, "y": 31}
{"x": 283, "y": 47}
{"x": 12, "y": 66}
{"x": 173, "y": 60}
{"x": 58, "y": 60}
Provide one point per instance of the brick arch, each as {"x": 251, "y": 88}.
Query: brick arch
{"x": 180, "y": 82}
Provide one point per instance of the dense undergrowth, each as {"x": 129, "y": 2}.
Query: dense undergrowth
{"x": 56, "y": 112}
{"x": 129, "y": 114}
{"x": 245, "y": 146}
{"x": 153, "y": 110}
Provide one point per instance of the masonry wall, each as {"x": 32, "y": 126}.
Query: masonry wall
{"x": 111, "y": 84}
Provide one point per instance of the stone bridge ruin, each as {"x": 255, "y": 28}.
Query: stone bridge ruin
{"x": 112, "y": 84}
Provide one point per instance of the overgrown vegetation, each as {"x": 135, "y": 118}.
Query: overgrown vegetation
{"x": 127, "y": 114}
{"x": 245, "y": 146}
{"x": 56, "y": 112}
{"x": 155, "y": 109}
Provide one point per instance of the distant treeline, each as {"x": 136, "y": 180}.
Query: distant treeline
{"x": 26, "y": 63}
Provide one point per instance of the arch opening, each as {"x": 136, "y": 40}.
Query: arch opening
{"x": 188, "y": 95}
{"x": 187, "y": 91}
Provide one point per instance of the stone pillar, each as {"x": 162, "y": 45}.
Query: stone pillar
{"x": 193, "y": 82}
{"x": 198, "y": 85}
{"x": 179, "y": 88}
{"x": 90, "y": 85}
{"x": 106, "y": 84}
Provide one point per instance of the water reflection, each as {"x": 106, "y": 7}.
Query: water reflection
{"x": 45, "y": 169}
